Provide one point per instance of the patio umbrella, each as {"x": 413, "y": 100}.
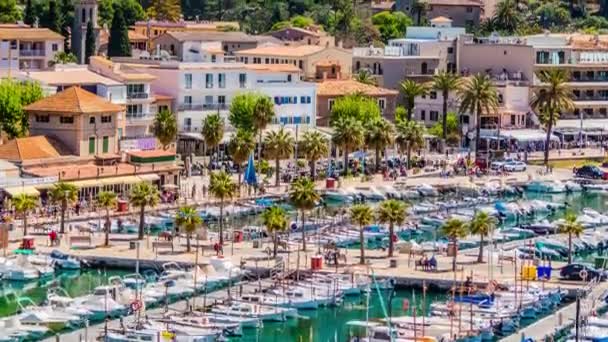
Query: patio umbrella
{"x": 250, "y": 176}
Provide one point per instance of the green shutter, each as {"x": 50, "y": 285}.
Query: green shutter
{"x": 106, "y": 144}
{"x": 92, "y": 145}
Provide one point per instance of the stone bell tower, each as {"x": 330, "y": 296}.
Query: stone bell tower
{"x": 84, "y": 10}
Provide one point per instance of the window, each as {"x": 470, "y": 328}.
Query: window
{"x": 576, "y": 75}
{"x": 469, "y": 9}
{"x": 209, "y": 80}
{"x": 242, "y": 80}
{"x": 576, "y": 93}
{"x": 423, "y": 68}
{"x": 382, "y": 103}
{"x": 92, "y": 120}
{"x": 434, "y": 115}
{"x": 55, "y": 47}
{"x": 266, "y": 61}
{"x": 221, "y": 100}
{"x": 588, "y": 111}
{"x": 589, "y": 93}
{"x": 221, "y": 80}
{"x": 188, "y": 81}
{"x": 106, "y": 119}
{"x": 330, "y": 103}
{"x": 208, "y": 99}
{"x": 120, "y": 132}
{"x": 42, "y": 118}
{"x": 83, "y": 16}
{"x": 106, "y": 144}
{"x": 603, "y": 94}
{"x": 433, "y": 95}
{"x": 214, "y": 58}
{"x": 188, "y": 100}
{"x": 513, "y": 120}
{"x": 450, "y": 50}
{"x": 422, "y": 115}
{"x": 91, "y": 145}
{"x": 301, "y": 64}
{"x": 66, "y": 119}
{"x": 603, "y": 111}
{"x": 289, "y": 78}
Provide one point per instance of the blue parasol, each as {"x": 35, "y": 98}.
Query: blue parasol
{"x": 250, "y": 176}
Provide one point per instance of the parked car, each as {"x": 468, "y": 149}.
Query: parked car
{"x": 515, "y": 166}
{"x": 590, "y": 172}
{"x": 578, "y": 271}
{"x": 497, "y": 164}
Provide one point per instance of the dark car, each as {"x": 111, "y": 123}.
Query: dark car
{"x": 590, "y": 172}
{"x": 580, "y": 271}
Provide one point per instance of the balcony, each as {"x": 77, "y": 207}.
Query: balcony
{"x": 32, "y": 53}
{"x": 139, "y": 117}
{"x": 137, "y": 96}
{"x": 205, "y": 106}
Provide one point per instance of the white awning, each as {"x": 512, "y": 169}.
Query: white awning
{"x": 587, "y": 123}
{"x": 18, "y": 190}
{"x": 527, "y": 135}
{"x": 149, "y": 177}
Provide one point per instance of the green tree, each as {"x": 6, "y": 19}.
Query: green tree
{"x": 165, "y": 128}
{"x": 482, "y": 225}
{"x": 9, "y": 12}
{"x": 222, "y": 187}
{"x": 361, "y": 108}
{"x": 14, "y": 97}
{"x": 365, "y": 76}
{"x": 66, "y": 8}
{"x": 478, "y": 96}
{"x": 303, "y": 196}
{"x": 188, "y": 220}
{"x": 24, "y": 204}
{"x": 445, "y": 82}
{"x": 379, "y": 135}
{"x": 361, "y": 215}
{"x": 552, "y": 97}
{"x": 240, "y": 147}
{"x": 107, "y": 200}
{"x": 143, "y": 194}
{"x": 410, "y": 135}
{"x": 64, "y": 193}
{"x": 29, "y": 16}
{"x": 391, "y": 25}
{"x": 453, "y": 131}
{"x": 118, "y": 44}
{"x": 275, "y": 221}
{"x": 241, "y": 111}
{"x": 507, "y": 16}
{"x": 454, "y": 229}
{"x": 411, "y": 90}
{"x": 89, "y": 42}
{"x": 132, "y": 11}
{"x": 400, "y": 114}
{"x": 314, "y": 147}
{"x": 349, "y": 135}
{"x": 105, "y": 12}
{"x": 553, "y": 16}
{"x": 52, "y": 19}
{"x": 165, "y": 10}
{"x": 391, "y": 212}
{"x": 63, "y": 57}
{"x": 571, "y": 227}
{"x": 279, "y": 145}
{"x": 262, "y": 115}
{"x": 213, "y": 132}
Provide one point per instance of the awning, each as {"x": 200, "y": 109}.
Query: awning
{"x": 89, "y": 183}
{"x": 149, "y": 177}
{"x": 18, "y": 190}
{"x": 120, "y": 180}
{"x": 587, "y": 123}
{"x": 522, "y": 135}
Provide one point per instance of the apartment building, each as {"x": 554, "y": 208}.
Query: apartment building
{"x": 156, "y": 28}
{"x": 315, "y": 61}
{"x": 463, "y": 13}
{"x": 201, "y": 89}
{"x": 25, "y": 48}
{"x": 302, "y": 36}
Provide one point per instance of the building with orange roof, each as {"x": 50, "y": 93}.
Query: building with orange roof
{"x": 28, "y": 148}
{"x": 329, "y": 91}
{"x": 85, "y": 123}
{"x": 463, "y": 13}
{"x": 26, "y": 48}
{"x": 156, "y": 28}
{"x": 138, "y": 41}
{"x": 304, "y": 36}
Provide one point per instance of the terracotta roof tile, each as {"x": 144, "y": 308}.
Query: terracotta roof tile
{"x": 282, "y": 50}
{"x": 75, "y": 170}
{"x": 152, "y": 153}
{"x": 346, "y": 87}
{"x": 454, "y": 3}
{"x": 37, "y": 147}
{"x": 29, "y": 34}
{"x": 74, "y": 100}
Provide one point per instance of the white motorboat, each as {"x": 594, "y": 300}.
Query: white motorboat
{"x": 427, "y": 190}
{"x": 101, "y": 303}
{"x": 21, "y": 269}
{"x": 262, "y": 312}
{"x": 45, "y": 316}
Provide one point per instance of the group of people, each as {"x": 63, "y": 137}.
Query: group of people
{"x": 427, "y": 264}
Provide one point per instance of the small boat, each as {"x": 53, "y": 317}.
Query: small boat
{"x": 65, "y": 261}
{"x": 262, "y": 312}
{"x": 47, "y": 316}
{"x": 426, "y": 190}
{"x": 550, "y": 187}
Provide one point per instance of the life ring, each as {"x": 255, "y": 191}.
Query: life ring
{"x": 583, "y": 274}
{"x": 136, "y": 305}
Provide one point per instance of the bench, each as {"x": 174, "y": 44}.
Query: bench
{"x": 156, "y": 245}
{"x": 80, "y": 240}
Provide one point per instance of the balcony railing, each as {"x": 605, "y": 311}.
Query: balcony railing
{"x": 139, "y": 96}
{"x": 590, "y": 98}
{"x": 31, "y": 53}
{"x": 139, "y": 117}
{"x": 205, "y": 106}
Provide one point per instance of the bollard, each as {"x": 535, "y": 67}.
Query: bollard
{"x": 560, "y": 319}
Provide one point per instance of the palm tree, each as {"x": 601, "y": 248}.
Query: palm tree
{"x": 263, "y": 113}
{"x": 454, "y": 229}
{"x": 303, "y": 196}
{"x": 275, "y": 220}
{"x": 483, "y": 225}
{"x": 222, "y": 187}
{"x": 64, "y": 193}
{"x": 279, "y": 145}
{"x": 445, "y": 82}
{"x": 107, "y": 200}
{"x": 188, "y": 219}
{"x": 213, "y": 131}
{"x": 365, "y": 76}
{"x": 23, "y": 205}
{"x": 362, "y": 215}
{"x": 314, "y": 147}
{"x": 410, "y": 135}
{"x": 379, "y": 134}
{"x": 551, "y": 98}
{"x": 478, "y": 96}
{"x": 240, "y": 147}
{"x": 392, "y": 212}
{"x": 165, "y": 128}
{"x": 349, "y": 135}
{"x": 507, "y": 16}
{"x": 571, "y": 227}
{"x": 143, "y": 194}
{"x": 411, "y": 90}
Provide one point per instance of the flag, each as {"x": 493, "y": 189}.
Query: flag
{"x": 250, "y": 176}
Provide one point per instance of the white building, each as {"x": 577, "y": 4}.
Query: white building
{"x": 25, "y": 48}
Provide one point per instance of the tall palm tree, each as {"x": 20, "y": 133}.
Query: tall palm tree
{"x": 107, "y": 200}
{"x": 571, "y": 227}
{"x": 478, "y": 96}
{"x": 165, "y": 128}
{"x": 222, "y": 187}
{"x": 275, "y": 221}
{"x": 314, "y": 147}
{"x": 361, "y": 215}
{"x": 507, "y": 16}
{"x": 365, "y": 76}
{"x": 240, "y": 147}
{"x": 279, "y": 145}
{"x": 349, "y": 135}
{"x": 410, "y": 135}
{"x": 379, "y": 134}
{"x": 482, "y": 225}
{"x": 411, "y": 90}
{"x": 24, "y": 204}
{"x": 454, "y": 229}
{"x": 392, "y": 212}
{"x": 551, "y": 98}
{"x": 445, "y": 82}
{"x": 263, "y": 113}
{"x": 143, "y": 194}
{"x": 188, "y": 219}
{"x": 64, "y": 193}
{"x": 213, "y": 131}
{"x": 303, "y": 196}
